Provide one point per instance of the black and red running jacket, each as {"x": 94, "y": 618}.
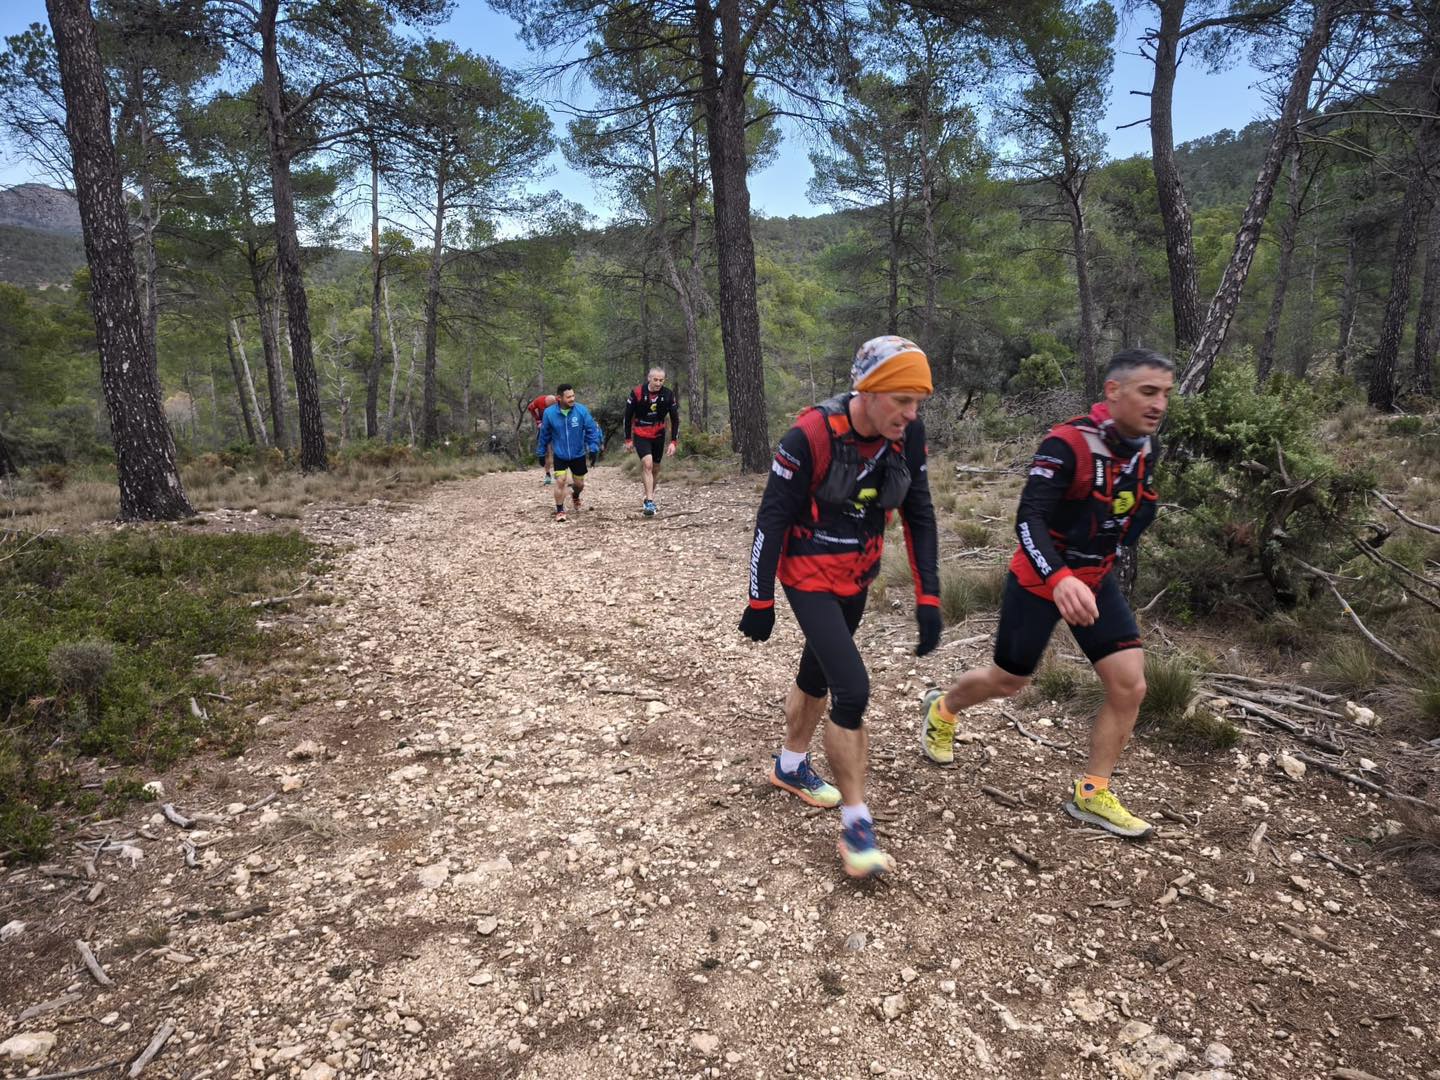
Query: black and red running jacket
{"x": 1088, "y": 493}
{"x": 836, "y": 547}
{"x": 646, "y": 412}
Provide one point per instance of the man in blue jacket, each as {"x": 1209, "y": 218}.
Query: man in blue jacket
{"x": 570, "y": 431}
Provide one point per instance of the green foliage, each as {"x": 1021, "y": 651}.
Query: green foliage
{"x": 98, "y": 636}
{"x": 965, "y": 592}
{"x": 1056, "y": 681}
{"x": 1043, "y": 369}
{"x": 1233, "y": 420}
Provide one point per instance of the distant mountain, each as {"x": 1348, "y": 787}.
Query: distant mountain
{"x": 35, "y": 206}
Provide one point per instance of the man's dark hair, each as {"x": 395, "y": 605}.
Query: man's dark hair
{"x": 1122, "y": 363}
{"x": 560, "y": 390}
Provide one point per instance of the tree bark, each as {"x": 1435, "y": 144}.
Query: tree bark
{"x": 1075, "y": 198}
{"x": 230, "y": 329}
{"x": 313, "y": 457}
{"x": 430, "y": 414}
{"x": 1402, "y": 268}
{"x": 1426, "y": 338}
{"x": 394, "y": 361}
{"x": 1232, "y": 283}
{"x": 695, "y": 386}
{"x": 723, "y": 83}
{"x": 1265, "y": 361}
{"x": 149, "y": 479}
{"x": 265, "y": 310}
{"x": 254, "y": 400}
{"x": 1174, "y": 209}
{"x": 377, "y": 348}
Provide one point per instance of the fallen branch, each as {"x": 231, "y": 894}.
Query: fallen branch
{"x": 1032, "y": 736}
{"x": 162, "y": 1035}
{"x": 85, "y": 1070}
{"x": 1284, "y": 723}
{"x": 237, "y": 914}
{"x": 1350, "y": 611}
{"x": 48, "y": 1006}
{"x": 273, "y": 601}
{"x": 1257, "y": 837}
{"x": 1404, "y": 516}
{"x": 1361, "y": 782}
{"x": 1353, "y": 870}
{"x": 175, "y": 817}
{"x": 1298, "y": 688}
{"x": 1154, "y": 600}
{"x": 1002, "y": 797}
{"x": 1319, "y": 943}
{"x": 1022, "y": 853}
{"x": 1275, "y": 699}
{"x": 96, "y": 971}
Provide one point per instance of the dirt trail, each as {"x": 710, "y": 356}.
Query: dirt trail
{"x": 538, "y": 843}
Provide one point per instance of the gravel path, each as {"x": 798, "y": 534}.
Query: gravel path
{"x": 530, "y": 837}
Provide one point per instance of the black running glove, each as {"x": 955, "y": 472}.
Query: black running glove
{"x": 928, "y": 616}
{"x": 757, "y": 623}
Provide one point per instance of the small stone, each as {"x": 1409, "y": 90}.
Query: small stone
{"x": 893, "y": 1006}
{"x": 656, "y": 708}
{"x": 109, "y": 1018}
{"x": 908, "y": 975}
{"x": 235, "y": 808}
{"x": 12, "y": 929}
{"x": 31, "y": 1047}
{"x": 308, "y": 750}
{"x": 856, "y": 941}
{"x": 290, "y": 782}
{"x": 1134, "y": 1031}
{"x": 1219, "y": 1055}
{"x": 434, "y": 875}
{"x": 288, "y": 1053}
{"x": 483, "y": 979}
{"x": 487, "y": 925}
{"x": 319, "y": 1071}
{"x": 410, "y": 772}
{"x": 876, "y": 1069}
{"x": 706, "y": 1043}
{"x": 413, "y": 1026}
{"x": 1292, "y": 766}
{"x": 156, "y": 788}
{"x": 732, "y": 1058}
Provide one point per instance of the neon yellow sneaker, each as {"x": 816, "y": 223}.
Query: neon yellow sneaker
{"x": 1104, "y": 810}
{"x": 859, "y": 853}
{"x": 937, "y": 738}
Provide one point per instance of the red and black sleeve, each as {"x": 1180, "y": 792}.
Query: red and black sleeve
{"x": 674, "y": 416}
{"x": 917, "y": 515}
{"x": 629, "y": 414}
{"x": 786, "y": 502}
{"x": 1051, "y": 472}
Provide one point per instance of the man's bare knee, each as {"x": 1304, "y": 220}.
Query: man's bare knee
{"x": 1006, "y": 684}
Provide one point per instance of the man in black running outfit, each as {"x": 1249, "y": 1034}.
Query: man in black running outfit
{"x": 646, "y": 410}
{"x": 838, "y": 476}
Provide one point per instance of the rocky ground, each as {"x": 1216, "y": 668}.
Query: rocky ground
{"x": 526, "y": 833}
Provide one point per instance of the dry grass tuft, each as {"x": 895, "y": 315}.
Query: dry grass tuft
{"x": 1417, "y": 847}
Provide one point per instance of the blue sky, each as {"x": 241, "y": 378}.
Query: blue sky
{"x": 1204, "y": 104}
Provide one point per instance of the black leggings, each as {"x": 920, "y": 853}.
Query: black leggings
{"x": 831, "y": 662}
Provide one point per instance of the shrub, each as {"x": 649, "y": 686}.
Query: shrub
{"x": 964, "y": 592}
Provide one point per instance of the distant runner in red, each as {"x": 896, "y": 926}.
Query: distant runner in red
{"x": 646, "y": 410}
{"x": 537, "y": 410}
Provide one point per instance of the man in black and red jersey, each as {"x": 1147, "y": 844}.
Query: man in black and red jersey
{"x": 646, "y": 410}
{"x": 839, "y": 474}
{"x": 536, "y": 410}
{"x": 1090, "y": 492}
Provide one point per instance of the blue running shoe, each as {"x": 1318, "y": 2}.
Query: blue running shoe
{"x": 859, "y": 853}
{"x": 649, "y": 508}
{"x": 806, "y": 783}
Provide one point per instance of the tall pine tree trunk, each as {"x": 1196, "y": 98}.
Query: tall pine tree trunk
{"x": 1075, "y": 198}
{"x": 274, "y": 373}
{"x": 723, "y": 84}
{"x": 394, "y": 361}
{"x": 1265, "y": 362}
{"x": 377, "y": 348}
{"x": 239, "y": 382}
{"x": 1402, "y": 268}
{"x": 1426, "y": 338}
{"x": 430, "y": 408}
{"x": 1174, "y": 209}
{"x": 254, "y": 400}
{"x": 1232, "y": 282}
{"x": 313, "y": 457}
{"x": 149, "y": 479}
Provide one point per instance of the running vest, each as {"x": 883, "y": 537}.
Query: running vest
{"x": 649, "y": 411}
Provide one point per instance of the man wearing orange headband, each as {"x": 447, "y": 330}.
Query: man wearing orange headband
{"x": 839, "y": 474}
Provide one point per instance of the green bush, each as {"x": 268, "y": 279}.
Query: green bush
{"x": 712, "y": 445}
{"x": 98, "y": 636}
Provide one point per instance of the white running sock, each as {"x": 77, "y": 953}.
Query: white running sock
{"x": 790, "y": 760}
{"x": 849, "y": 815}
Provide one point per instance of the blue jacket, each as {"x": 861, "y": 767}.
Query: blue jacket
{"x": 573, "y": 433}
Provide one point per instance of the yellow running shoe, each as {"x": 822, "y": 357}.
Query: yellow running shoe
{"x": 1103, "y": 809}
{"x": 937, "y": 738}
{"x": 806, "y": 783}
{"x": 860, "y": 855}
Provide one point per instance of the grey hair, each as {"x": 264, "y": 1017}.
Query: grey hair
{"x": 653, "y": 370}
{"x": 1128, "y": 360}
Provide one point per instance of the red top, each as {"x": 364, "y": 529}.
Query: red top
{"x": 539, "y": 405}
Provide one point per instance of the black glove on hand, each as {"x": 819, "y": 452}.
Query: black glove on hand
{"x": 757, "y": 623}
{"x": 928, "y": 616}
